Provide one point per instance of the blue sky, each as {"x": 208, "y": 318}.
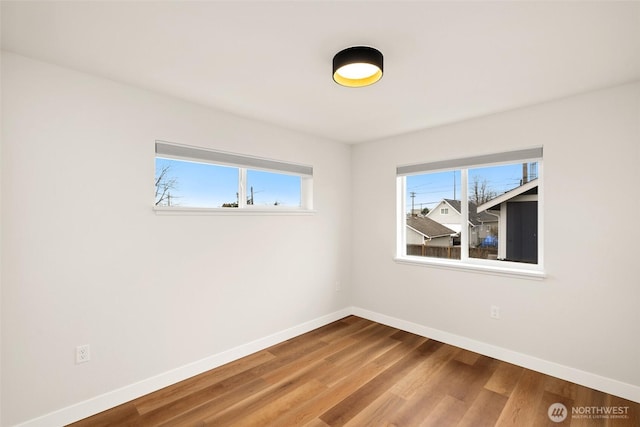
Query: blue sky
{"x": 206, "y": 185}
{"x": 209, "y": 186}
{"x": 431, "y": 188}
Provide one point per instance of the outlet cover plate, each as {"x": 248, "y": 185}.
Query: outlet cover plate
{"x": 83, "y": 354}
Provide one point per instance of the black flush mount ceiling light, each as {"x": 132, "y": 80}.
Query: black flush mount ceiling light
{"x": 357, "y": 66}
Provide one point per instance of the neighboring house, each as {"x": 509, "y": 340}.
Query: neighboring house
{"x": 425, "y": 231}
{"x": 517, "y": 212}
{"x": 481, "y": 224}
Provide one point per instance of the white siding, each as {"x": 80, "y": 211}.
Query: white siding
{"x": 451, "y": 219}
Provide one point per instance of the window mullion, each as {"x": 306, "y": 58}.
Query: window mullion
{"x": 540, "y": 234}
{"x": 464, "y": 211}
{"x": 401, "y": 212}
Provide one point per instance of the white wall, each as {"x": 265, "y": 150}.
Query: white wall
{"x": 87, "y": 261}
{"x": 585, "y": 314}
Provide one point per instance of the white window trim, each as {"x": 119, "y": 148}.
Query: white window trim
{"x": 262, "y": 210}
{"x": 502, "y": 268}
{"x": 243, "y": 162}
{"x": 471, "y": 267}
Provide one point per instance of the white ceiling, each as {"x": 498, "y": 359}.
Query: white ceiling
{"x": 271, "y": 60}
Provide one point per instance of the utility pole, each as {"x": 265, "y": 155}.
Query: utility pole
{"x": 413, "y": 199}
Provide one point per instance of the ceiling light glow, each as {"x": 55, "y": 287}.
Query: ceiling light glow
{"x": 357, "y": 71}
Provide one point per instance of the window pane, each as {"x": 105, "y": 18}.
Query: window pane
{"x": 192, "y": 184}
{"x": 503, "y": 212}
{"x": 272, "y": 189}
{"x": 433, "y": 220}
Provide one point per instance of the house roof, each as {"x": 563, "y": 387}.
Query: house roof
{"x": 428, "y": 227}
{"x": 475, "y": 217}
{"x": 529, "y": 186}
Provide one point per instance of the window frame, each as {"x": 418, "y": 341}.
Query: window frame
{"x": 466, "y": 263}
{"x": 243, "y": 163}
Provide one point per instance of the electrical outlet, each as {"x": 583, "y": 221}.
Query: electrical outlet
{"x": 338, "y": 286}
{"x": 495, "y": 312}
{"x": 82, "y": 354}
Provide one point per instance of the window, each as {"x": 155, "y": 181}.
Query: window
{"x": 273, "y": 189}
{"x": 498, "y": 227}
{"x": 195, "y": 178}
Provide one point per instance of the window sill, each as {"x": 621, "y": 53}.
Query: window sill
{"x": 476, "y": 268}
{"x": 231, "y": 211}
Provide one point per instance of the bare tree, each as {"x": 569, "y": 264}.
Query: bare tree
{"x": 164, "y": 184}
{"x": 480, "y": 191}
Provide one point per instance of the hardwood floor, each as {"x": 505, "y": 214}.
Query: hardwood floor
{"x": 355, "y": 372}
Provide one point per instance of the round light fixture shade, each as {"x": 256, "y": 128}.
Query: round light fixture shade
{"x": 357, "y": 66}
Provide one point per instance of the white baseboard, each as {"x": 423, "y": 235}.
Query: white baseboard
{"x": 587, "y": 379}
{"x": 117, "y": 397}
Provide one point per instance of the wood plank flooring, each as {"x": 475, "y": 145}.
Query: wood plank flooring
{"x": 355, "y": 372}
